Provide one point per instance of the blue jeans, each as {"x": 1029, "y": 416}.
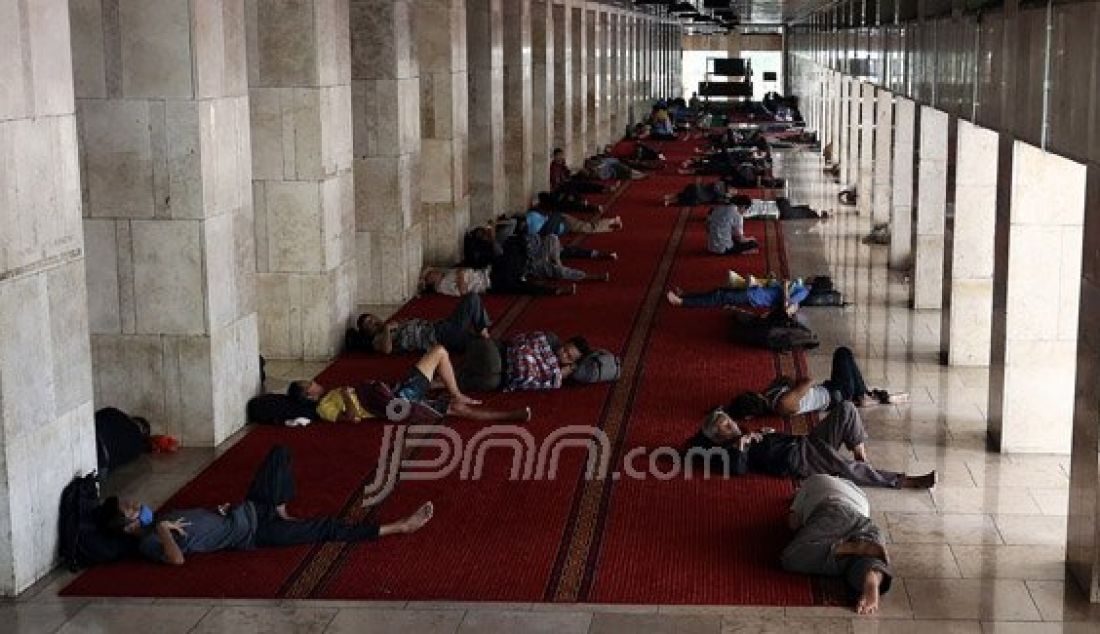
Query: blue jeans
{"x": 717, "y": 297}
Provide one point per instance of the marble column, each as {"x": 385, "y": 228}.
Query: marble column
{"x": 882, "y": 178}
{"x": 901, "y": 200}
{"x": 1083, "y": 539}
{"x": 166, "y": 166}
{"x": 579, "y": 52}
{"x": 594, "y": 82}
{"x": 299, "y": 87}
{"x": 868, "y": 108}
{"x": 543, "y": 99}
{"x": 928, "y": 243}
{"x": 966, "y": 331}
{"x": 485, "y": 51}
{"x": 517, "y": 104}
{"x": 849, "y": 174}
{"x": 615, "y": 62}
{"x": 563, "y": 82}
{"x": 840, "y": 131}
{"x": 609, "y": 122}
{"x": 46, "y": 430}
{"x": 1037, "y": 281}
{"x": 444, "y": 127}
{"x": 385, "y": 93}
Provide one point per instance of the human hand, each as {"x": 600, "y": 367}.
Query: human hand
{"x": 223, "y": 508}
{"x": 178, "y": 526}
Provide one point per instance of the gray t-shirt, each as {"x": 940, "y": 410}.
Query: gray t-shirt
{"x": 819, "y": 488}
{"x": 414, "y": 335}
{"x": 208, "y": 531}
{"x": 723, "y": 223}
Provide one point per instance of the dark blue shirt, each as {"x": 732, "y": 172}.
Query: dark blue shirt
{"x": 209, "y": 531}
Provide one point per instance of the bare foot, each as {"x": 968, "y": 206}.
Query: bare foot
{"x": 566, "y": 290}
{"x": 616, "y": 222}
{"x": 417, "y": 520}
{"x": 868, "y": 601}
{"x": 283, "y": 513}
{"x": 674, "y": 299}
{"x": 612, "y": 256}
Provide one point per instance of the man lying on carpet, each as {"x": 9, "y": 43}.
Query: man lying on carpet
{"x": 534, "y": 361}
{"x": 516, "y": 259}
{"x": 787, "y": 455}
{"x": 433, "y": 371}
{"x": 260, "y": 521}
{"x": 835, "y": 537}
{"x": 565, "y": 181}
{"x": 787, "y": 397}
{"x": 726, "y": 227}
{"x": 468, "y": 321}
{"x": 770, "y": 294}
{"x": 698, "y": 194}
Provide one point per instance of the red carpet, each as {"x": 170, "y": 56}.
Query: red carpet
{"x": 564, "y": 539}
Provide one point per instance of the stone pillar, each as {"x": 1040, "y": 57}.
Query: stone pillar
{"x": 1083, "y": 540}
{"x": 615, "y": 62}
{"x": 444, "y": 127}
{"x": 928, "y": 245}
{"x": 299, "y": 86}
{"x": 901, "y": 204}
{"x": 485, "y": 49}
{"x": 868, "y": 107}
{"x": 563, "y": 82}
{"x": 850, "y": 165}
{"x": 968, "y": 317}
{"x": 608, "y": 82}
{"x": 579, "y": 51}
{"x": 385, "y": 94}
{"x": 46, "y": 430}
{"x": 882, "y": 178}
{"x": 630, "y": 73}
{"x": 517, "y": 104}
{"x": 594, "y": 82}
{"x": 1037, "y": 281}
{"x": 542, "y": 93}
{"x": 166, "y": 161}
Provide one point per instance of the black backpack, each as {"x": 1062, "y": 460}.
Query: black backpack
{"x": 119, "y": 438}
{"x": 598, "y": 366}
{"x": 822, "y": 292}
{"x": 776, "y": 332}
{"x": 80, "y": 540}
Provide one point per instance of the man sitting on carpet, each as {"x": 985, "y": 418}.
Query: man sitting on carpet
{"x": 434, "y": 370}
{"x": 787, "y": 455}
{"x": 835, "y": 537}
{"x": 260, "y": 521}
{"x": 726, "y": 227}
{"x": 468, "y": 321}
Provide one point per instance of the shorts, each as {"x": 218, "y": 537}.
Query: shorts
{"x": 415, "y": 388}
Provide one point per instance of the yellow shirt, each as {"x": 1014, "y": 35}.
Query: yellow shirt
{"x": 332, "y": 405}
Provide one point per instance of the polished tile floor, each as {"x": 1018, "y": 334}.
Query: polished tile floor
{"x": 982, "y": 553}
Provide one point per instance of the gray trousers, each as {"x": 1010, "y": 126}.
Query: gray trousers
{"x": 544, "y": 259}
{"x": 813, "y": 549}
{"x": 819, "y": 451}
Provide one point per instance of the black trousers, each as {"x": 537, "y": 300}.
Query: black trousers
{"x": 273, "y": 485}
{"x": 846, "y": 377}
{"x": 468, "y": 319}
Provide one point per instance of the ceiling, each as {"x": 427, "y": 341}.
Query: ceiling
{"x": 749, "y": 12}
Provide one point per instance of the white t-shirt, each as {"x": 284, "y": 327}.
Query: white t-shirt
{"x": 816, "y": 399}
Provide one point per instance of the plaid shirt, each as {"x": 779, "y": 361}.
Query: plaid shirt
{"x": 530, "y": 363}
